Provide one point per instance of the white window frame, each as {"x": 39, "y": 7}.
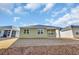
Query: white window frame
{"x": 41, "y": 31}
{"x": 26, "y": 31}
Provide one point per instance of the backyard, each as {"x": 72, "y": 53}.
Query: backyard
{"x": 39, "y": 47}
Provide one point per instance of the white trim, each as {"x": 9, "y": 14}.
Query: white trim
{"x": 10, "y": 33}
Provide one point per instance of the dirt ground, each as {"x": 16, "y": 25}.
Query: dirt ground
{"x": 39, "y": 47}
{"x": 42, "y": 50}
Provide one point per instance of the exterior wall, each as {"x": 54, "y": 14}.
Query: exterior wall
{"x": 34, "y": 34}
{"x": 2, "y": 32}
{"x": 58, "y": 33}
{"x": 74, "y": 32}
{"x": 17, "y": 33}
{"x": 66, "y": 34}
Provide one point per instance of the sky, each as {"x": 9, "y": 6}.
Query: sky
{"x": 54, "y": 14}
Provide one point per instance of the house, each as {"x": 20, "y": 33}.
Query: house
{"x": 39, "y": 31}
{"x": 9, "y": 31}
{"x": 70, "y": 32}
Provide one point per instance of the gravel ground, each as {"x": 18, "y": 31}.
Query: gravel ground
{"x": 43, "y": 42}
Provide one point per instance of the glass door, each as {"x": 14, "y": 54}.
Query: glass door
{"x": 13, "y": 34}
{"x": 6, "y": 33}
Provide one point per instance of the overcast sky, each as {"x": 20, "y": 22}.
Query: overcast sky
{"x": 23, "y": 14}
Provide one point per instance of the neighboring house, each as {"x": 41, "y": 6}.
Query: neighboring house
{"x": 9, "y": 31}
{"x": 39, "y": 31}
{"x": 70, "y": 32}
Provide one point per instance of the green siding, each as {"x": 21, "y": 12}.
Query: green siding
{"x": 34, "y": 34}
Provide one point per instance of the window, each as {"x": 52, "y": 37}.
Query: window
{"x": 0, "y": 32}
{"x": 26, "y": 31}
{"x": 6, "y": 33}
{"x": 40, "y": 31}
{"x": 9, "y": 32}
{"x": 77, "y": 33}
{"x": 13, "y": 33}
{"x": 50, "y": 32}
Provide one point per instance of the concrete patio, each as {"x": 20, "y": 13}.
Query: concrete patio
{"x": 6, "y": 42}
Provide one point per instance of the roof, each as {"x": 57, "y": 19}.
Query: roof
{"x": 41, "y": 27}
{"x": 9, "y": 27}
{"x": 75, "y": 26}
{"x": 69, "y": 27}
